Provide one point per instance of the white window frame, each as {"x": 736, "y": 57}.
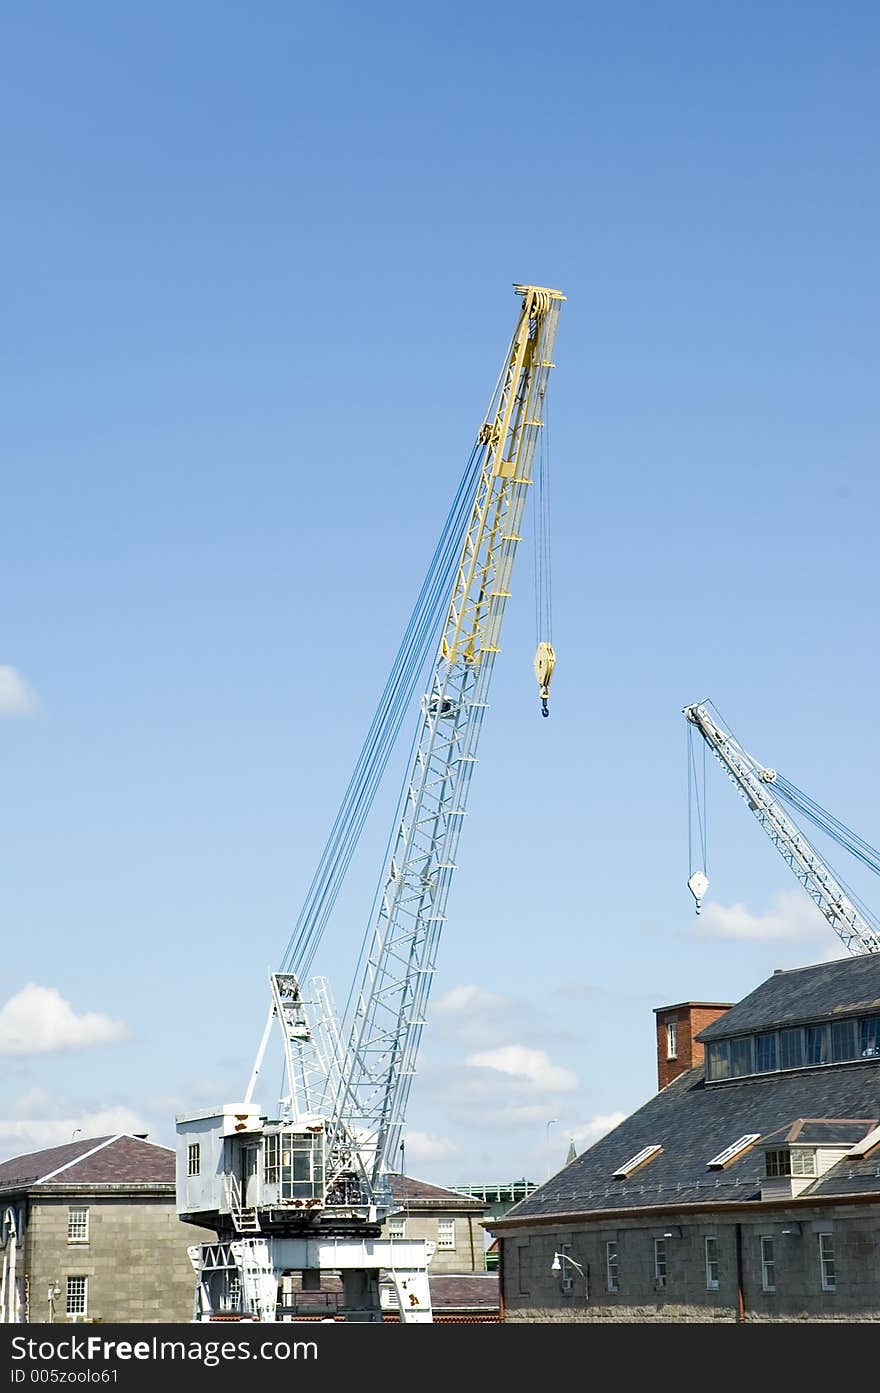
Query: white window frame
{"x": 713, "y": 1264}
{"x": 272, "y": 1159}
{"x": 827, "y": 1268}
{"x": 660, "y": 1261}
{"x": 768, "y": 1263}
{"x": 672, "y": 1039}
{"x": 612, "y": 1265}
{"x": 194, "y": 1159}
{"x": 730, "y": 1152}
{"x": 803, "y": 1161}
{"x": 75, "y": 1310}
{"x": 78, "y": 1223}
{"x": 397, "y": 1228}
{"x": 446, "y": 1235}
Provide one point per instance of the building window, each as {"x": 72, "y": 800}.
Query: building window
{"x": 843, "y": 1041}
{"x": 193, "y": 1158}
{"x": 446, "y": 1233}
{"x": 803, "y": 1161}
{"x": 272, "y": 1159}
{"x": 791, "y": 1048}
{"x": 826, "y": 1262}
{"x": 397, "y": 1228}
{"x": 612, "y": 1267}
{"x": 741, "y": 1051}
{"x": 77, "y": 1224}
{"x": 713, "y": 1254}
{"x": 718, "y": 1060}
{"x": 77, "y": 1296}
{"x": 768, "y": 1265}
{"x": 869, "y": 1036}
{"x": 660, "y": 1261}
{"x": 672, "y": 1040}
{"x": 778, "y": 1162}
{"x": 817, "y": 1044}
{"x": 765, "y": 1052}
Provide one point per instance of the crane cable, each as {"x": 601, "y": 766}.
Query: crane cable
{"x": 545, "y": 656}
{"x": 828, "y": 823}
{"x": 697, "y": 805}
{"x": 802, "y": 803}
{"x": 416, "y": 647}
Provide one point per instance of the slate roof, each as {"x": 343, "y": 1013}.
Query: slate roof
{"x": 406, "y": 1190}
{"x": 693, "y": 1121}
{"x": 470, "y": 1291}
{"x": 845, "y": 988}
{"x": 114, "y": 1160}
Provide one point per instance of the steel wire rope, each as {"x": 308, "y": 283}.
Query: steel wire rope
{"x": 384, "y": 727}
{"x": 839, "y": 832}
{"x": 541, "y": 541}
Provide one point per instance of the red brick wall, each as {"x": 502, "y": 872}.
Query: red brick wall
{"x": 690, "y": 1017}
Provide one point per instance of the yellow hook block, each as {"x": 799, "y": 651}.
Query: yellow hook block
{"x": 545, "y": 662}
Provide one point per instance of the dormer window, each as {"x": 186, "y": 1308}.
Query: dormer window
{"x": 794, "y": 1160}
{"x": 793, "y": 1047}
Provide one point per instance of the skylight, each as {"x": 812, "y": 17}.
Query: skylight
{"x": 867, "y": 1143}
{"x": 647, "y": 1153}
{"x": 720, "y": 1161}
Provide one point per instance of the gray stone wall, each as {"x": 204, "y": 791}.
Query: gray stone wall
{"x": 468, "y": 1254}
{"x": 532, "y": 1292}
{"x": 135, "y": 1259}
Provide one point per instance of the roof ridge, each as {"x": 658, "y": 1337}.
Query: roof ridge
{"x": 76, "y": 1160}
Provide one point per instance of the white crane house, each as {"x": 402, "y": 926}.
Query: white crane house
{"x": 303, "y": 1188}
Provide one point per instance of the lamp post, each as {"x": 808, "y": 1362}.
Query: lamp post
{"x": 556, "y": 1266}
{"x": 547, "y": 1142}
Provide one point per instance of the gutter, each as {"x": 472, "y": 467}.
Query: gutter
{"x": 600, "y": 1216}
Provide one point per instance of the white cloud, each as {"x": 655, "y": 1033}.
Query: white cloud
{"x": 533, "y": 1067}
{"x": 793, "y": 916}
{"x": 17, "y": 698}
{"x": 33, "y": 1134}
{"x": 597, "y": 1126}
{"x": 424, "y": 1146}
{"x": 38, "y": 1020}
{"x": 469, "y": 998}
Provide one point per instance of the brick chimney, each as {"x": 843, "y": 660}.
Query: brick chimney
{"x": 677, "y": 1027}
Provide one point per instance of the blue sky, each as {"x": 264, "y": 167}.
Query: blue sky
{"x": 258, "y": 283}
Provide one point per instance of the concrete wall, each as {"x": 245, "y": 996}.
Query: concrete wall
{"x": 135, "y": 1259}
{"x": 533, "y": 1293}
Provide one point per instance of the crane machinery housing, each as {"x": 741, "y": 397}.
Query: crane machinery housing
{"x": 851, "y": 921}
{"x": 303, "y": 1189}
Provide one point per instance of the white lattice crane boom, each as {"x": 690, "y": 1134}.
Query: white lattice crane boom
{"x": 755, "y": 783}
{"x": 316, "y": 1176}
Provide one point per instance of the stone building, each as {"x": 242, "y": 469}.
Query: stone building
{"x": 461, "y": 1288}
{"x": 450, "y": 1220}
{"x": 89, "y": 1232}
{"x": 747, "y": 1189}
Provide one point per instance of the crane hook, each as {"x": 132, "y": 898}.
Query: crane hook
{"x": 545, "y": 710}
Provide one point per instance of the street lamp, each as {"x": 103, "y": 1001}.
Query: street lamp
{"x": 556, "y": 1266}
